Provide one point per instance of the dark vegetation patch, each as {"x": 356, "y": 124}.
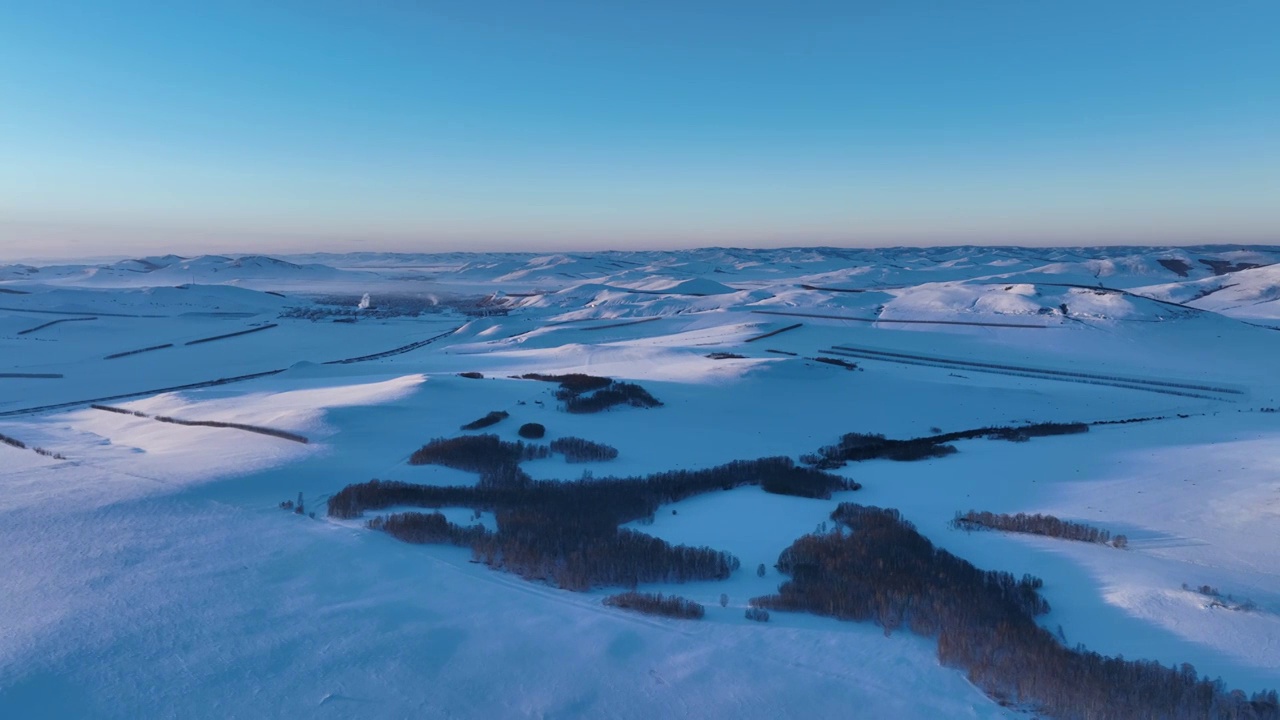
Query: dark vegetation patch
{"x": 273, "y": 292}
{"x": 875, "y": 567}
{"x": 532, "y": 431}
{"x": 725, "y": 356}
{"x": 581, "y": 393}
{"x": 576, "y": 383}
{"x": 577, "y": 450}
{"x": 268, "y": 326}
{"x": 672, "y": 606}
{"x": 568, "y": 534}
{"x": 13, "y": 442}
{"x": 120, "y": 411}
{"x": 757, "y": 614}
{"x": 856, "y": 447}
{"x": 619, "y": 393}
{"x": 837, "y": 362}
{"x": 427, "y": 529}
{"x": 282, "y": 434}
{"x": 1218, "y": 600}
{"x": 495, "y": 460}
{"x": 272, "y": 432}
{"x": 1129, "y": 421}
{"x": 1037, "y": 524}
{"x": 493, "y": 418}
{"x": 1175, "y": 266}
{"x": 471, "y": 375}
{"x": 11, "y": 291}
{"x": 54, "y": 322}
{"x": 127, "y": 353}
{"x": 781, "y": 352}
{"x": 771, "y": 333}
{"x": 1222, "y": 267}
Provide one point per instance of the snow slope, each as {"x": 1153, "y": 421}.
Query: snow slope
{"x": 151, "y": 573}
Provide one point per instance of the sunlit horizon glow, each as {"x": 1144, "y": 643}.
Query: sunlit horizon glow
{"x": 142, "y": 128}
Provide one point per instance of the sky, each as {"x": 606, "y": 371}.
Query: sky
{"x": 297, "y": 125}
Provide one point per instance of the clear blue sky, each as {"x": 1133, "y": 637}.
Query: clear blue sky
{"x": 280, "y": 125}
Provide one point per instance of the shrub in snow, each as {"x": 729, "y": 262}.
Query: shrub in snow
{"x": 532, "y": 431}
{"x": 492, "y": 418}
{"x": 650, "y": 604}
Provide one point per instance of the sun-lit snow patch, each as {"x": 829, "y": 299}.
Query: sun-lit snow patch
{"x": 152, "y": 456}
{"x": 300, "y": 410}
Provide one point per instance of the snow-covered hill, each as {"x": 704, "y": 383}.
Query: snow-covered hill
{"x": 150, "y": 572}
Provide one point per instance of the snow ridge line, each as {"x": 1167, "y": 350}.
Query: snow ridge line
{"x": 1066, "y": 373}
{"x": 974, "y": 323}
{"x": 1032, "y": 375}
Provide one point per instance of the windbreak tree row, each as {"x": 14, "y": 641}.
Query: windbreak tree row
{"x": 567, "y": 533}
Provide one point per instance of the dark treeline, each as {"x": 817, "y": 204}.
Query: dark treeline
{"x": 282, "y": 434}
{"x": 14, "y": 442}
{"x": 619, "y": 393}
{"x": 1037, "y": 524}
{"x": 139, "y": 351}
{"x": 268, "y": 326}
{"x": 574, "y": 382}
{"x": 875, "y": 567}
{"x": 564, "y": 535}
{"x": 471, "y": 375}
{"x": 856, "y": 447}
{"x": 493, "y": 418}
{"x": 427, "y": 528}
{"x": 837, "y": 362}
{"x": 771, "y": 333}
{"x": 650, "y": 604}
{"x": 494, "y": 459}
{"x": 577, "y": 450}
{"x": 615, "y": 500}
{"x": 120, "y": 411}
{"x": 567, "y": 533}
{"x": 576, "y": 553}
{"x": 1132, "y": 420}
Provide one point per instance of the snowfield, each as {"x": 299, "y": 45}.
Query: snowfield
{"x": 149, "y": 570}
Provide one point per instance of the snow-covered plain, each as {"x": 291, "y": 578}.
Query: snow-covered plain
{"x": 148, "y": 571}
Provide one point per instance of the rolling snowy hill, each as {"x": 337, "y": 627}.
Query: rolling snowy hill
{"x": 151, "y": 572}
